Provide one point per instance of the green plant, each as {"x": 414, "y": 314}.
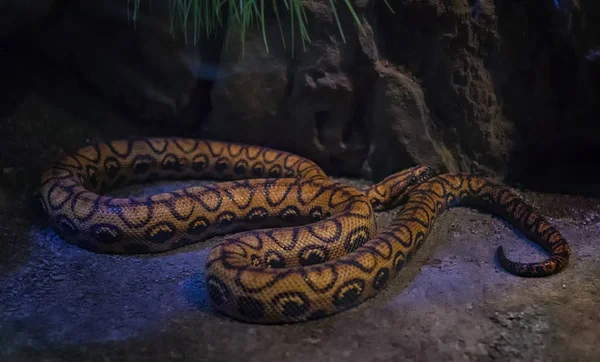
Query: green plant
{"x": 206, "y": 15}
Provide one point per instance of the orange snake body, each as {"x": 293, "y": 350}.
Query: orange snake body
{"x": 299, "y": 245}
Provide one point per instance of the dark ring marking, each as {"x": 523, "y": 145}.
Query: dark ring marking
{"x": 199, "y": 162}
{"x": 112, "y": 166}
{"x": 198, "y": 226}
{"x": 257, "y": 214}
{"x": 171, "y": 163}
{"x": 313, "y": 254}
{"x": 275, "y": 171}
{"x": 161, "y": 232}
{"x": 225, "y": 218}
{"x": 222, "y": 164}
{"x": 349, "y": 293}
{"x": 142, "y": 163}
{"x": 381, "y": 278}
{"x": 106, "y": 233}
{"x": 258, "y": 169}
{"x": 292, "y": 304}
{"x": 274, "y": 259}
{"x": 240, "y": 167}
{"x": 91, "y": 176}
{"x": 399, "y": 260}
{"x": 289, "y": 213}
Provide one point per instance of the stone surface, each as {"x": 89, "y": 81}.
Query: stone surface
{"x": 142, "y": 68}
{"x": 503, "y": 89}
{"x": 303, "y": 101}
{"x": 465, "y": 86}
{"x": 257, "y": 81}
{"x": 46, "y": 111}
{"x": 567, "y": 152}
{"x": 18, "y": 16}
{"x": 447, "y": 47}
{"x": 401, "y": 127}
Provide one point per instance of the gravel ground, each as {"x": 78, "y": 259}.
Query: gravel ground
{"x": 452, "y": 302}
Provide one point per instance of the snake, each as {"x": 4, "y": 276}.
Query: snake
{"x": 296, "y": 244}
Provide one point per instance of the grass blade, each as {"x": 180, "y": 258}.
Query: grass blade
{"x": 207, "y": 15}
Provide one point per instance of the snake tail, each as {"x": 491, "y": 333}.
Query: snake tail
{"x": 481, "y": 193}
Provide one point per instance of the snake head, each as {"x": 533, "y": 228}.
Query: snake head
{"x": 401, "y": 183}
{"x": 426, "y": 173}
{"x": 421, "y": 174}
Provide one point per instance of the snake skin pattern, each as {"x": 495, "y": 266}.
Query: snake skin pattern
{"x": 301, "y": 246}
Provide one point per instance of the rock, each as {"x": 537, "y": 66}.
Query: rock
{"x": 446, "y": 50}
{"x": 558, "y": 136}
{"x": 249, "y": 96}
{"x": 144, "y": 70}
{"x": 501, "y": 89}
{"x": 324, "y": 109}
{"x": 20, "y": 15}
{"x": 402, "y": 131}
{"x": 347, "y": 108}
{"x": 302, "y": 103}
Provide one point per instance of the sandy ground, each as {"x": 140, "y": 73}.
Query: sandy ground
{"x": 452, "y": 302}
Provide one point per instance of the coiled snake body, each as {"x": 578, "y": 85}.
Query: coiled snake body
{"x": 301, "y": 246}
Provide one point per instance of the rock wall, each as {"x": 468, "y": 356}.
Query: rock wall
{"x": 505, "y": 89}
{"x": 16, "y": 16}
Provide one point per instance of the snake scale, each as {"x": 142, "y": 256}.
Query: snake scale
{"x": 299, "y": 245}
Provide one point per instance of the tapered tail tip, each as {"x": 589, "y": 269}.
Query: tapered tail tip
{"x": 508, "y": 265}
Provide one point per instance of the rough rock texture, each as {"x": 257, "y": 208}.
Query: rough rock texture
{"x": 17, "y": 16}
{"x": 446, "y": 46}
{"x": 478, "y": 86}
{"x": 506, "y": 89}
{"x": 401, "y": 125}
{"x": 142, "y": 68}
{"x": 299, "y": 99}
